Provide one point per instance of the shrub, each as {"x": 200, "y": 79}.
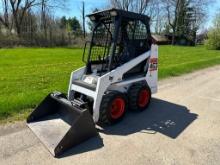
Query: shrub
{"x": 213, "y": 41}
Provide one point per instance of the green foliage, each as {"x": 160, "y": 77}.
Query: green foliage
{"x": 63, "y": 22}
{"x": 70, "y": 24}
{"x": 182, "y": 18}
{"x": 74, "y": 24}
{"x": 29, "y": 74}
{"x": 213, "y": 41}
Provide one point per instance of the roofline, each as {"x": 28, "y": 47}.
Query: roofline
{"x": 123, "y": 13}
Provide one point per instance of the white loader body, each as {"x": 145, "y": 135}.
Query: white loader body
{"x": 114, "y": 80}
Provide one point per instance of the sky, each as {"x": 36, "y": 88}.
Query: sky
{"x": 213, "y": 9}
{"x": 74, "y": 9}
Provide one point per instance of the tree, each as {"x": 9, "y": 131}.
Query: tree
{"x": 19, "y": 8}
{"x": 74, "y": 24}
{"x": 197, "y": 14}
{"x": 172, "y": 9}
{"x": 46, "y": 8}
{"x": 4, "y": 16}
{"x": 13, "y": 12}
{"x": 139, "y": 6}
{"x": 185, "y": 16}
{"x": 63, "y": 22}
{"x": 158, "y": 17}
{"x": 29, "y": 26}
{"x": 153, "y": 8}
{"x": 70, "y": 24}
{"x": 213, "y": 41}
{"x": 43, "y": 5}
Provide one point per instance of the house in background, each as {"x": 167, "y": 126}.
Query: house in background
{"x": 160, "y": 39}
{"x": 181, "y": 40}
{"x": 167, "y": 40}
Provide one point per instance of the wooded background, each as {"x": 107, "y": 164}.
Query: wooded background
{"x": 32, "y": 22}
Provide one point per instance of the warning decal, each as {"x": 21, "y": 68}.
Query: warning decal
{"x": 153, "y": 64}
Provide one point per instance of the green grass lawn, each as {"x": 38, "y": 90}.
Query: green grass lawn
{"x": 177, "y": 60}
{"x": 27, "y": 75}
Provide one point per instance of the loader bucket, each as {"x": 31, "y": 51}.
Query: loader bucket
{"x": 59, "y": 125}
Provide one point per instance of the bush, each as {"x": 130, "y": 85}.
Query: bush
{"x": 9, "y": 41}
{"x": 53, "y": 39}
{"x": 213, "y": 41}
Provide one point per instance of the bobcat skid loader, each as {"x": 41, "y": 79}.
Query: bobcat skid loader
{"x": 120, "y": 72}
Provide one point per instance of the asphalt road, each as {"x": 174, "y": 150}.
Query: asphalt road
{"x": 181, "y": 126}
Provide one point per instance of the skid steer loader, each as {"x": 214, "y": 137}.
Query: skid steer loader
{"x": 120, "y": 72}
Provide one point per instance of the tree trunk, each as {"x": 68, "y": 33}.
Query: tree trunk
{"x": 174, "y": 37}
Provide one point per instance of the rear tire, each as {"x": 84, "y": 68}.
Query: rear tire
{"x": 112, "y": 108}
{"x": 139, "y": 96}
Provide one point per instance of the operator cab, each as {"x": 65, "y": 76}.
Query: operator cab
{"x": 118, "y": 37}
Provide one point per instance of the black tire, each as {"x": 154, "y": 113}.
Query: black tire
{"x": 105, "y": 116}
{"x": 134, "y": 94}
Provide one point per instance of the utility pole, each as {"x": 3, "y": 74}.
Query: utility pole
{"x": 83, "y": 17}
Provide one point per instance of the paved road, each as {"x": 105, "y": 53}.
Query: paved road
{"x": 182, "y": 126}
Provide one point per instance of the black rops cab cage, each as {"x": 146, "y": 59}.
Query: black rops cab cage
{"x": 118, "y": 36}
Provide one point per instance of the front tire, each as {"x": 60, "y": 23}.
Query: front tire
{"x": 112, "y": 108}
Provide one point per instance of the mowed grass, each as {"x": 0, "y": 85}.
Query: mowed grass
{"x": 27, "y": 75}
{"x": 177, "y": 60}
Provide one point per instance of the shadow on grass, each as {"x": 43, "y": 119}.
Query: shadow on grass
{"x": 164, "y": 117}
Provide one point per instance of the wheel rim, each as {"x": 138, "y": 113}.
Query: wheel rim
{"x": 117, "y": 108}
{"x": 144, "y": 98}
